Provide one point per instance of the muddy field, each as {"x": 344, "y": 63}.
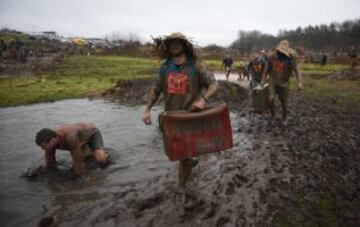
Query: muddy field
{"x": 304, "y": 175}
{"x": 135, "y": 92}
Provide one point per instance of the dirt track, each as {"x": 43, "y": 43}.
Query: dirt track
{"x": 304, "y": 175}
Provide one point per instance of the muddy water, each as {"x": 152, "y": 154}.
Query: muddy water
{"x": 139, "y": 179}
{"x": 233, "y": 77}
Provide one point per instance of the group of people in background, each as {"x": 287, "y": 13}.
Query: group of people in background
{"x": 274, "y": 69}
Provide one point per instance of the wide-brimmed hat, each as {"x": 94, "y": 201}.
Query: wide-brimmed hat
{"x": 284, "y": 48}
{"x": 176, "y": 35}
{"x": 162, "y": 45}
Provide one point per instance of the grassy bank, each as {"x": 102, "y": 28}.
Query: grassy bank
{"x": 341, "y": 92}
{"x": 319, "y": 69}
{"x": 304, "y": 68}
{"x": 76, "y": 77}
{"x": 80, "y": 76}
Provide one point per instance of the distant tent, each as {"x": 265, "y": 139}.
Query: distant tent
{"x": 90, "y": 42}
{"x": 79, "y": 41}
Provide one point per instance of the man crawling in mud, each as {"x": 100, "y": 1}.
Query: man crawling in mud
{"x": 83, "y": 140}
{"x": 186, "y": 84}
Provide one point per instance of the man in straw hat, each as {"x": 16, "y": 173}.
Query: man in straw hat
{"x": 282, "y": 63}
{"x": 186, "y": 83}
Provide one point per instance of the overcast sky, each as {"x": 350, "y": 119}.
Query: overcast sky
{"x": 206, "y": 21}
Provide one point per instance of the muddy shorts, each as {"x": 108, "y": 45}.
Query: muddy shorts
{"x": 96, "y": 141}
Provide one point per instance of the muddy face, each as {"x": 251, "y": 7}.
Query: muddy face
{"x": 176, "y": 47}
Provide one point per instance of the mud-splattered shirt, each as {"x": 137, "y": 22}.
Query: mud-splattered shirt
{"x": 257, "y": 67}
{"x": 280, "y": 69}
{"x": 228, "y": 62}
{"x": 182, "y": 85}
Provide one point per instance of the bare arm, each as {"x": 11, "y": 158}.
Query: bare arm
{"x": 153, "y": 97}
{"x": 298, "y": 77}
{"x": 208, "y": 82}
{"x": 73, "y": 141}
{"x": 77, "y": 160}
{"x": 50, "y": 159}
{"x": 211, "y": 91}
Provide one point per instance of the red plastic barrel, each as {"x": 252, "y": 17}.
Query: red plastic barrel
{"x": 189, "y": 134}
{"x": 260, "y": 100}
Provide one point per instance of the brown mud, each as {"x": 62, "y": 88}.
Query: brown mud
{"x": 135, "y": 92}
{"x": 306, "y": 174}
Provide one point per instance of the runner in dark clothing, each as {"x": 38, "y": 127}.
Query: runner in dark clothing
{"x": 227, "y": 63}
{"x": 352, "y": 54}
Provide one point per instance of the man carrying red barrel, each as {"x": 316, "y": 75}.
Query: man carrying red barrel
{"x": 186, "y": 83}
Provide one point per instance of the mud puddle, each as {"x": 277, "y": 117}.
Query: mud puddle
{"x": 136, "y": 153}
{"x": 139, "y": 179}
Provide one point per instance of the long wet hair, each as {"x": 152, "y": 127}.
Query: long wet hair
{"x": 44, "y": 136}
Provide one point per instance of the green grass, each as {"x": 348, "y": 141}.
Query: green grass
{"x": 319, "y": 69}
{"x": 108, "y": 66}
{"x": 80, "y": 75}
{"x": 76, "y": 77}
{"x": 17, "y": 91}
{"x": 306, "y": 68}
{"x": 338, "y": 92}
{"x": 213, "y": 65}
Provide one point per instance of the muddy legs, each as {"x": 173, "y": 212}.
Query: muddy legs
{"x": 185, "y": 167}
{"x": 283, "y": 93}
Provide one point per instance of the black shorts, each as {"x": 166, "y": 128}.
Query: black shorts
{"x": 96, "y": 141}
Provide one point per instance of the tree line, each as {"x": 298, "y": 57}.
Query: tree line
{"x": 332, "y": 37}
